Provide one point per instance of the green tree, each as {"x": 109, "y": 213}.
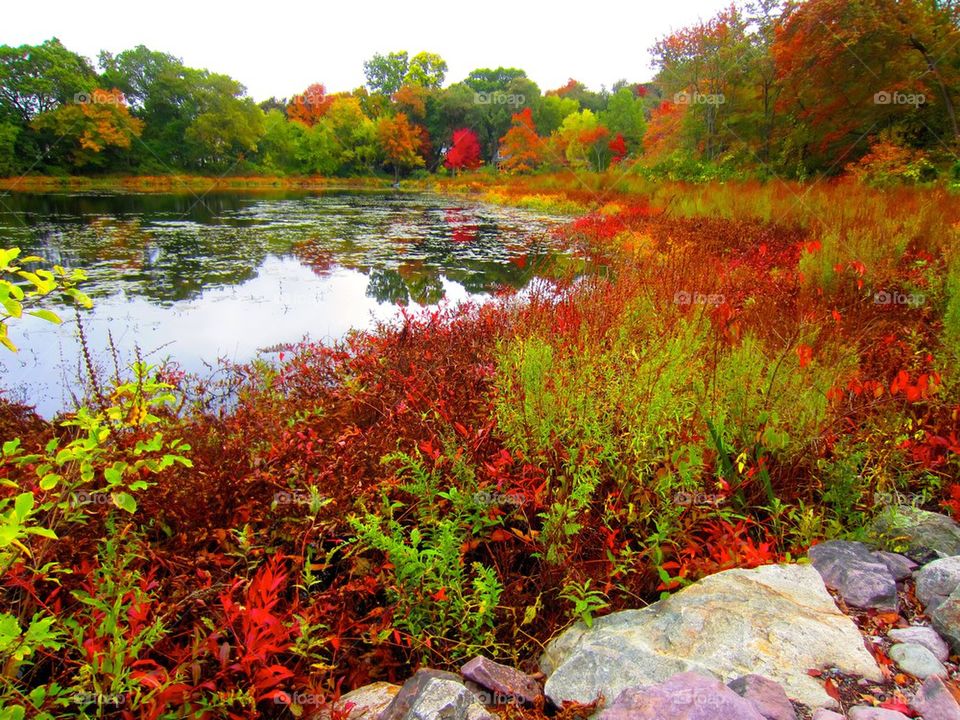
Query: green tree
{"x": 279, "y": 147}
{"x": 426, "y": 70}
{"x": 625, "y": 115}
{"x": 227, "y": 125}
{"x": 37, "y": 78}
{"x": 385, "y": 73}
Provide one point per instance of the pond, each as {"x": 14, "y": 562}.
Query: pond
{"x": 199, "y": 278}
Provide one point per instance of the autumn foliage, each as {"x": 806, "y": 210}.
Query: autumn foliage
{"x": 521, "y": 149}
{"x": 464, "y": 153}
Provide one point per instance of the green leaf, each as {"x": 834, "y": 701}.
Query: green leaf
{"x": 42, "y": 532}
{"x": 10, "y": 447}
{"x": 49, "y": 481}
{"x": 80, "y": 298}
{"x": 46, "y": 315}
{"x": 124, "y": 501}
{"x": 23, "y": 505}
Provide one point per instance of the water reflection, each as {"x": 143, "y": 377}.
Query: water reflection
{"x": 229, "y": 273}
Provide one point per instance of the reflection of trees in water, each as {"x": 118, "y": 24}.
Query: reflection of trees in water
{"x": 386, "y": 285}
{"x": 463, "y": 228}
{"x": 172, "y": 248}
{"x": 314, "y": 256}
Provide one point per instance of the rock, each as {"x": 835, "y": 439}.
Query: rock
{"x": 823, "y": 714}
{"x": 777, "y": 621}
{"x": 852, "y": 569}
{"x": 936, "y": 580}
{"x": 507, "y": 684}
{"x": 434, "y": 695}
{"x": 686, "y": 696}
{"x": 865, "y": 712}
{"x": 900, "y": 566}
{"x": 765, "y": 695}
{"x": 946, "y": 620}
{"x": 922, "y": 635}
{"x": 367, "y": 702}
{"x": 917, "y": 660}
{"x": 920, "y": 535}
{"x": 935, "y": 702}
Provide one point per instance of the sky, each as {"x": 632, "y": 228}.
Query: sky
{"x": 279, "y": 48}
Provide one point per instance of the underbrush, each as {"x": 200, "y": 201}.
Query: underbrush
{"x": 743, "y": 371}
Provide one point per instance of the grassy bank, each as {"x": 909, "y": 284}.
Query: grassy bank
{"x": 749, "y": 369}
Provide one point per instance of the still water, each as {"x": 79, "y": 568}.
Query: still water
{"x": 199, "y": 278}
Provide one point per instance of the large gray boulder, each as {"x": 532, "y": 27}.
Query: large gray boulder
{"x": 919, "y": 534}
{"x": 778, "y": 621}
{"x": 857, "y": 573}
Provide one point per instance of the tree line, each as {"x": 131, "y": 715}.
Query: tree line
{"x": 766, "y": 87}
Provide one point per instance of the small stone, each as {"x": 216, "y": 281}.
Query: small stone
{"x": 937, "y": 580}
{"x": 917, "y": 660}
{"x": 507, "y": 684}
{"x": 935, "y": 702}
{"x": 865, "y": 712}
{"x": 366, "y": 703}
{"x": 685, "y": 696}
{"x": 922, "y": 635}
{"x": 768, "y": 697}
{"x": 434, "y": 695}
{"x": 900, "y": 566}
{"x": 856, "y": 573}
{"x": 824, "y": 714}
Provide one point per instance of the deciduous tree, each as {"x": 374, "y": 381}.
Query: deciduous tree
{"x": 464, "y": 154}
{"x": 521, "y": 149}
{"x": 400, "y": 143}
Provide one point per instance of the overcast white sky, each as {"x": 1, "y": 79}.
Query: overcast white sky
{"x": 280, "y": 47}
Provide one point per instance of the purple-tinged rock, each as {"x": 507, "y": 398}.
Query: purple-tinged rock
{"x": 507, "y": 684}
{"x": 922, "y": 635}
{"x": 685, "y": 696}
{"x": 856, "y": 573}
{"x": 900, "y": 566}
{"x": 935, "y": 702}
{"x": 768, "y": 697}
{"x": 824, "y": 714}
{"x": 865, "y": 712}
